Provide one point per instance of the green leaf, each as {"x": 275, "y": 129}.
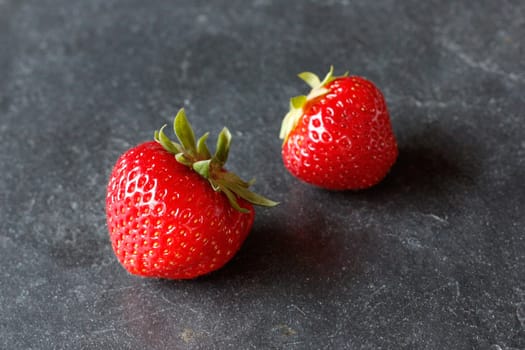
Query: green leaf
{"x": 310, "y": 78}
{"x": 202, "y": 148}
{"x": 329, "y": 77}
{"x": 317, "y": 92}
{"x": 290, "y": 121}
{"x": 252, "y": 197}
{"x": 320, "y": 90}
{"x": 297, "y": 102}
{"x": 165, "y": 142}
{"x": 223, "y": 146}
{"x": 181, "y": 158}
{"x": 184, "y": 132}
{"x": 233, "y": 200}
{"x": 202, "y": 167}
{"x": 214, "y": 185}
{"x": 231, "y": 178}
{"x": 234, "y": 183}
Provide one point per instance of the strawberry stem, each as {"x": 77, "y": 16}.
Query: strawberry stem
{"x": 196, "y": 155}
{"x": 297, "y": 103}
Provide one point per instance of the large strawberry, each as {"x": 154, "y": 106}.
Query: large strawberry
{"x": 172, "y": 209}
{"x": 339, "y": 136}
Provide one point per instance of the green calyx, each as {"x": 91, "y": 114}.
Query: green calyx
{"x": 195, "y": 154}
{"x": 291, "y": 119}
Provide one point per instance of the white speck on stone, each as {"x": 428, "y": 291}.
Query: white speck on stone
{"x": 437, "y": 218}
{"x": 413, "y": 244}
{"x": 520, "y": 314}
{"x": 202, "y": 18}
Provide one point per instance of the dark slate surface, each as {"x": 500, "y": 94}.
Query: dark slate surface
{"x": 432, "y": 258}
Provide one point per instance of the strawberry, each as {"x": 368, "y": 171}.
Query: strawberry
{"x": 173, "y": 210}
{"x": 339, "y": 137}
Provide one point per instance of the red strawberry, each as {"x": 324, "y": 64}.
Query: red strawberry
{"x": 172, "y": 209}
{"x": 338, "y": 137}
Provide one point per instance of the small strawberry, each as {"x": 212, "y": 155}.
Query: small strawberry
{"x": 338, "y": 137}
{"x": 172, "y": 209}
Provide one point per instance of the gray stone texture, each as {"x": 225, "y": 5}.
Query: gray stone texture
{"x": 431, "y": 258}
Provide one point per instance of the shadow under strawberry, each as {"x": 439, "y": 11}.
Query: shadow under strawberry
{"x": 274, "y": 252}
{"x": 298, "y": 245}
{"x": 433, "y": 165}
{"x": 432, "y": 169}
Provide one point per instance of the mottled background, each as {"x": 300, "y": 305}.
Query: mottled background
{"x": 432, "y": 258}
